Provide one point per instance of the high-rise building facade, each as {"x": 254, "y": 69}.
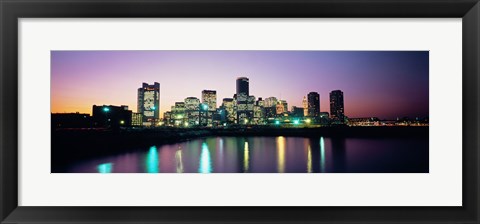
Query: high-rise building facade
{"x": 271, "y": 102}
{"x": 305, "y": 106}
{"x": 231, "y": 112}
{"x": 137, "y": 119}
{"x": 243, "y": 86}
{"x": 337, "y": 110}
{"x": 313, "y": 104}
{"x": 148, "y": 102}
{"x": 192, "y": 111}
{"x": 209, "y": 97}
{"x": 285, "y": 105}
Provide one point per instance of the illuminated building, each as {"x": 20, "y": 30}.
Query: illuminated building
{"x": 114, "y": 117}
{"x": 209, "y": 97}
{"x": 279, "y": 108}
{"x": 285, "y": 105}
{"x": 137, "y": 119}
{"x": 337, "y": 110}
{"x": 364, "y": 121}
{"x": 148, "y": 102}
{"x": 271, "y": 102}
{"x": 231, "y": 112}
{"x": 244, "y": 101}
{"x": 192, "y": 111}
{"x": 167, "y": 118}
{"x": 258, "y": 115}
{"x": 305, "y": 106}
{"x": 244, "y": 108}
{"x": 179, "y": 114}
{"x": 243, "y": 86}
{"x": 313, "y": 104}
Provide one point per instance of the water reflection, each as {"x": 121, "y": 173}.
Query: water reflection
{"x": 105, "y": 168}
{"x": 178, "y": 160}
{"x": 152, "y": 160}
{"x": 269, "y": 155}
{"x": 322, "y": 155}
{"x": 245, "y": 158}
{"x": 281, "y": 154}
{"x": 205, "y": 160}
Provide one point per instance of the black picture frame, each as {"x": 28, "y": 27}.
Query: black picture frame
{"x": 12, "y": 10}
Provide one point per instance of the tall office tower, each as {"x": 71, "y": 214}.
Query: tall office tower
{"x": 192, "y": 110}
{"x": 285, "y": 105}
{"x": 337, "y": 110}
{"x": 231, "y": 112}
{"x": 179, "y": 114}
{"x": 209, "y": 97}
{"x": 313, "y": 104}
{"x": 148, "y": 102}
{"x": 279, "y": 108}
{"x": 305, "y": 106}
{"x": 242, "y": 86}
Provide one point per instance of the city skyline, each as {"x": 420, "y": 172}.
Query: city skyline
{"x": 376, "y": 84}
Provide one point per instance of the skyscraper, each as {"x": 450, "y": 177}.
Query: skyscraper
{"x": 243, "y": 86}
{"x": 337, "y": 110}
{"x": 209, "y": 97}
{"x": 148, "y": 102}
{"x": 231, "y": 112}
{"x": 305, "y": 106}
{"x": 192, "y": 110}
{"x": 313, "y": 104}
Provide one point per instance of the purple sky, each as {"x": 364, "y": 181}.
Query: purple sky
{"x": 384, "y": 84}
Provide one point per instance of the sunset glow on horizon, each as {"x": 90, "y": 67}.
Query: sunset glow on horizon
{"x": 383, "y": 84}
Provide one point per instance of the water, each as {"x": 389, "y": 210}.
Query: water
{"x": 269, "y": 155}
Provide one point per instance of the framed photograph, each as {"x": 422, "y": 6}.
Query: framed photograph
{"x": 239, "y": 111}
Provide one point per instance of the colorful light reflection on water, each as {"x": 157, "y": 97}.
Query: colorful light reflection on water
{"x": 269, "y": 155}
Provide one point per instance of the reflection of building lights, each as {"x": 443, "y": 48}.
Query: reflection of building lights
{"x": 322, "y": 154}
{"x": 178, "y": 159}
{"x": 152, "y": 160}
{"x": 281, "y": 154}
{"x": 296, "y": 122}
{"x": 309, "y": 159}
{"x": 205, "y": 160}
{"x": 105, "y": 168}
{"x": 308, "y": 121}
{"x": 186, "y": 124}
{"x": 245, "y": 158}
{"x": 277, "y": 122}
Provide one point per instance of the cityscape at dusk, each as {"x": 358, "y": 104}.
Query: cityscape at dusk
{"x": 240, "y": 111}
{"x": 381, "y": 84}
